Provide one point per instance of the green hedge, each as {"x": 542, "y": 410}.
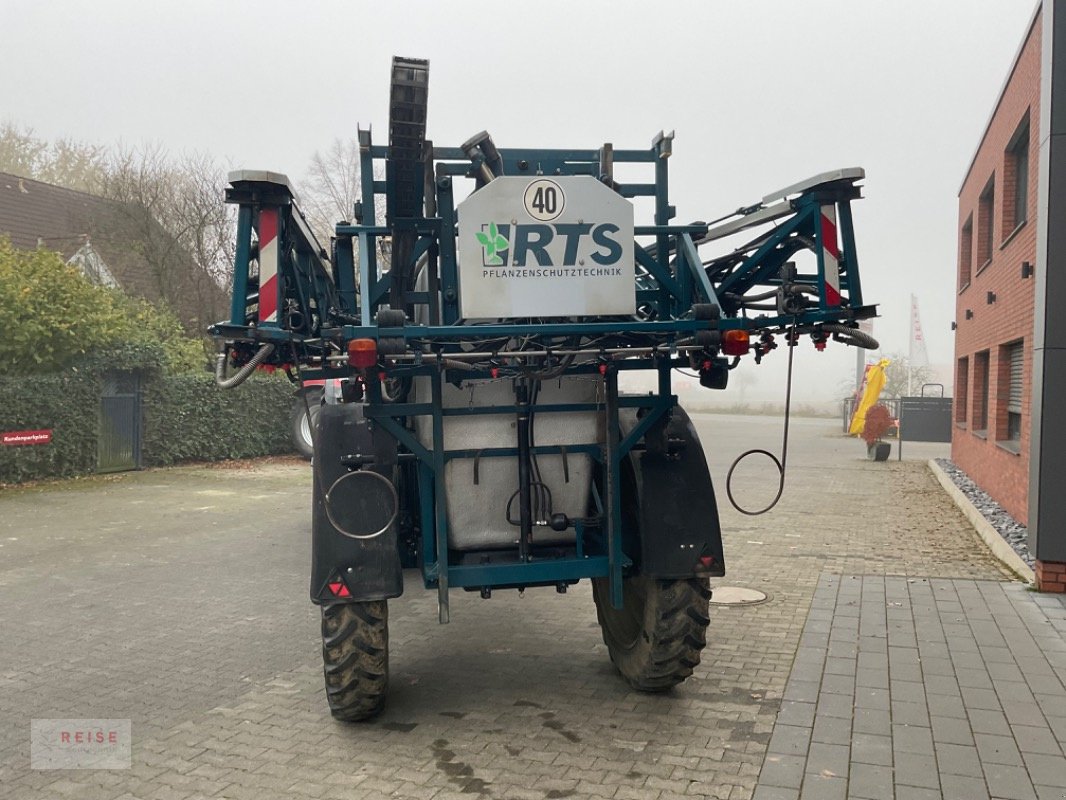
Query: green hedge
{"x": 67, "y": 405}
{"x": 188, "y": 417}
{"x": 185, "y": 417}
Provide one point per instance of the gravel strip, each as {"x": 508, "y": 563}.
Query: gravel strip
{"x": 1015, "y": 534}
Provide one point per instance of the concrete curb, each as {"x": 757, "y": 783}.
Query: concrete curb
{"x": 996, "y": 543}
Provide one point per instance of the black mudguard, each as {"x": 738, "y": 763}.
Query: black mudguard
{"x": 368, "y": 568}
{"x": 674, "y": 508}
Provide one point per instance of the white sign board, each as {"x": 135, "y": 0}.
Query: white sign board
{"x": 559, "y": 246}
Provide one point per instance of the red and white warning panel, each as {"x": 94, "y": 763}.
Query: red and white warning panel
{"x": 268, "y": 265}
{"x": 831, "y": 255}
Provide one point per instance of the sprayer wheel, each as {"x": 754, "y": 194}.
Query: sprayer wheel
{"x": 355, "y": 657}
{"x": 302, "y": 423}
{"x": 656, "y": 637}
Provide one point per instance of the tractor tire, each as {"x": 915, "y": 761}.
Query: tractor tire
{"x": 655, "y": 639}
{"x": 301, "y": 425}
{"x": 355, "y": 658}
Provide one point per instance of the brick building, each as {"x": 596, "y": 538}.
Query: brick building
{"x": 1010, "y": 341}
{"x": 994, "y": 307}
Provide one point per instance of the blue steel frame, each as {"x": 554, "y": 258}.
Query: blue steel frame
{"x": 670, "y": 280}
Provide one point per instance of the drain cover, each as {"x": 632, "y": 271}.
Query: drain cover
{"x": 737, "y": 596}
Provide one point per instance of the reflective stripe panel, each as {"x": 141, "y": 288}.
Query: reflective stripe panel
{"x": 831, "y": 255}
{"x": 268, "y": 265}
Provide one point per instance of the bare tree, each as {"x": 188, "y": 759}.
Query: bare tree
{"x": 185, "y": 233}
{"x": 901, "y": 378}
{"x": 331, "y": 188}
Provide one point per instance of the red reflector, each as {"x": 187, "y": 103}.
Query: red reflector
{"x": 603, "y": 369}
{"x": 338, "y": 589}
{"x": 362, "y": 353}
{"x": 735, "y": 343}
{"x": 706, "y": 560}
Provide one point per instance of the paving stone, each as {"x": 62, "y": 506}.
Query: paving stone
{"x": 961, "y": 787}
{"x": 1008, "y": 782}
{"x": 775, "y": 793}
{"x": 998, "y": 749}
{"x": 832, "y": 730}
{"x": 790, "y": 740}
{"x": 1046, "y": 770}
{"x": 866, "y": 697}
{"x": 835, "y": 705}
{"x": 951, "y": 730}
{"x": 820, "y": 787}
{"x": 828, "y": 759}
{"x": 909, "y": 713}
{"x": 954, "y": 759}
{"x": 1035, "y": 739}
{"x": 868, "y": 748}
{"x": 943, "y": 705}
{"x": 913, "y": 769}
{"x": 868, "y": 720}
{"x": 912, "y": 739}
{"x": 984, "y": 721}
{"x": 871, "y": 782}
{"x": 915, "y": 793}
{"x": 796, "y": 713}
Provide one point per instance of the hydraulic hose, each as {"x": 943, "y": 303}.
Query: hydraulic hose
{"x": 779, "y": 463}
{"x": 244, "y": 372}
{"x": 852, "y": 336}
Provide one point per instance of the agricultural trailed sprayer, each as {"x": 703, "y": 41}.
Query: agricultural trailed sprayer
{"x": 479, "y": 432}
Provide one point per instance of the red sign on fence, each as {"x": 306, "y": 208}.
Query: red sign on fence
{"x": 16, "y": 438}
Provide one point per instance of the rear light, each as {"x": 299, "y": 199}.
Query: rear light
{"x": 362, "y": 353}
{"x": 735, "y": 343}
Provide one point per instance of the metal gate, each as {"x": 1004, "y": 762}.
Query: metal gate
{"x": 119, "y": 443}
{"x": 925, "y": 418}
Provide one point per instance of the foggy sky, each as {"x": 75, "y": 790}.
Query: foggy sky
{"x": 761, "y": 94}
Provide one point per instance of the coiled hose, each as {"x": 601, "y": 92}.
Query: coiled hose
{"x": 239, "y": 377}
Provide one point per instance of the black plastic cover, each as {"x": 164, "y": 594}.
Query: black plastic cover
{"x": 368, "y": 568}
{"x": 678, "y": 527}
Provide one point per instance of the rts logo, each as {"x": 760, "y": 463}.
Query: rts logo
{"x": 548, "y": 245}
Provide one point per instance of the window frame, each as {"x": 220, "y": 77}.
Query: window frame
{"x": 1016, "y": 168}
{"x": 986, "y": 224}
{"x": 966, "y": 253}
{"x": 962, "y": 388}
{"x": 1011, "y": 372}
{"x": 982, "y": 362}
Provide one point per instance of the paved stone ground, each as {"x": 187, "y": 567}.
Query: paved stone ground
{"x": 920, "y": 689}
{"x": 178, "y": 599}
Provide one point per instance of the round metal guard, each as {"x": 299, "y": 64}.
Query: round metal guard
{"x": 361, "y": 504}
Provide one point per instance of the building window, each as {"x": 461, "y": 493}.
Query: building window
{"x": 965, "y": 252}
{"x": 980, "y": 393}
{"x": 962, "y": 387}
{"x": 1016, "y": 179}
{"x": 985, "y": 217}
{"x": 1011, "y": 389}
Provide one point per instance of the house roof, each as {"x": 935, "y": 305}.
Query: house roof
{"x": 144, "y": 260}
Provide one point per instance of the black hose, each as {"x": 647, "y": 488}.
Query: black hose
{"x": 852, "y": 336}
{"x": 779, "y": 463}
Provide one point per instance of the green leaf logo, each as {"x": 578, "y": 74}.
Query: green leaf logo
{"x": 492, "y": 243}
